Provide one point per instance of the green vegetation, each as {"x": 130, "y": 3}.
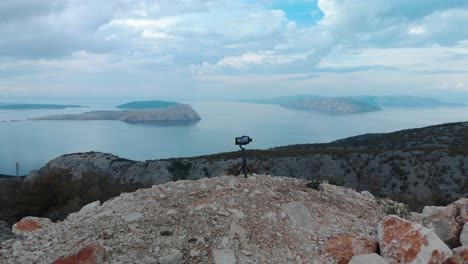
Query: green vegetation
{"x": 166, "y": 233}
{"x": 58, "y": 194}
{"x": 180, "y": 170}
{"x": 146, "y": 105}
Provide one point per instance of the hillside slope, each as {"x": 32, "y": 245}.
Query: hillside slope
{"x": 422, "y": 166}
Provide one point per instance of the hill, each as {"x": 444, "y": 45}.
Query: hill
{"x": 146, "y": 105}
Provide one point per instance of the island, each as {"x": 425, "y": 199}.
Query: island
{"x": 22, "y": 106}
{"x": 179, "y": 114}
{"x": 406, "y": 101}
{"x": 147, "y": 105}
{"x": 353, "y": 104}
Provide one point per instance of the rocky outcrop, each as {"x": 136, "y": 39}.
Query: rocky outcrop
{"x": 402, "y": 241}
{"x": 217, "y": 220}
{"x": 260, "y": 219}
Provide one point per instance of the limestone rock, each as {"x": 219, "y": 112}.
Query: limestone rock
{"x": 173, "y": 258}
{"x": 298, "y": 214}
{"x": 91, "y": 207}
{"x": 91, "y": 254}
{"x": 373, "y": 258}
{"x": 460, "y": 256}
{"x": 402, "y": 241}
{"x": 224, "y": 256}
{"x": 447, "y": 222}
{"x": 29, "y": 224}
{"x": 464, "y": 235}
{"x": 132, "y": 217}
{"x": 343, "y": 247}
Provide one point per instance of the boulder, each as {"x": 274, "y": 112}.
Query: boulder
{"x": 447, "y": 222}
{"x": 343, "y": 247}
{"x": 29, "y": 224}
{"x": 402, "y": 241}
{"x": 91, "y": 254}
{"x": 373, "y": 258}
{"x": 464, "y": 235}
{"x": 460, "y": 256}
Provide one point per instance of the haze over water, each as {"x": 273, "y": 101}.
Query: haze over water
{"x": 33, "y": 143}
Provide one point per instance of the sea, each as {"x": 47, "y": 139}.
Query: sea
{"x": 32, "y": 144}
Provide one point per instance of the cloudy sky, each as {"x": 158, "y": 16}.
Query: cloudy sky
{"x": 208, "y": 49}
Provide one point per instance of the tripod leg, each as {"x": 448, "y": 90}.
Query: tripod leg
{"x": 238, "y": 172}
{"x": 249, "y": 170}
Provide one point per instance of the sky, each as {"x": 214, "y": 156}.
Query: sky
{"x": 220, "y": 49}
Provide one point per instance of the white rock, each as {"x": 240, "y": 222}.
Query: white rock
{"x": 172, "y": 212}
{"x": 238, "y": 231}
{"x": 299, "y": 214}
{"x": 237, "y": 213}
{"x": 224, "y": 256}
{"x": 194, "y": 253}
{"x": 91, "y": 207}
{"x": 464, "y": 235}
{"x": 132, "y": 217}
{"x": 368, "y": 259}
{"x": 174, "y": 258}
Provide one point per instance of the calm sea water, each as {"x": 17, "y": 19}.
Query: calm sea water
{"x": 33, "y": 143}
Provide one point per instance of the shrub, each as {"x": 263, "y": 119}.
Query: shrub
{"x": 180, "y": 170}
{"x": 58, "y": 194}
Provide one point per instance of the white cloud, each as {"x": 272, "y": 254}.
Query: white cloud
{"x": 204, "y": 40}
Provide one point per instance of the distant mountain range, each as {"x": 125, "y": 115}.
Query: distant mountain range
{"x": 21, "y": 106}
{"x": 353, "y": 104}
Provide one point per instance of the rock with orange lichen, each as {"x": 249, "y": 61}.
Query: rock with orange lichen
{"x": 91, "y": 254}
{"x": 402, "y": 241}
{"x": 29, "y": 224}
{"x": 460, "y": 256}
{"x": 342, "y": 248}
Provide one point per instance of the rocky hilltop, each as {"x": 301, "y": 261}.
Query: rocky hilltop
{"x": 419, "y": 166}
{"x": 228, "y": 220}
{"x": 179, "y": 112}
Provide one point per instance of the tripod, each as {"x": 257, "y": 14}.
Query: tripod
{"x": 244, "y": 167}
